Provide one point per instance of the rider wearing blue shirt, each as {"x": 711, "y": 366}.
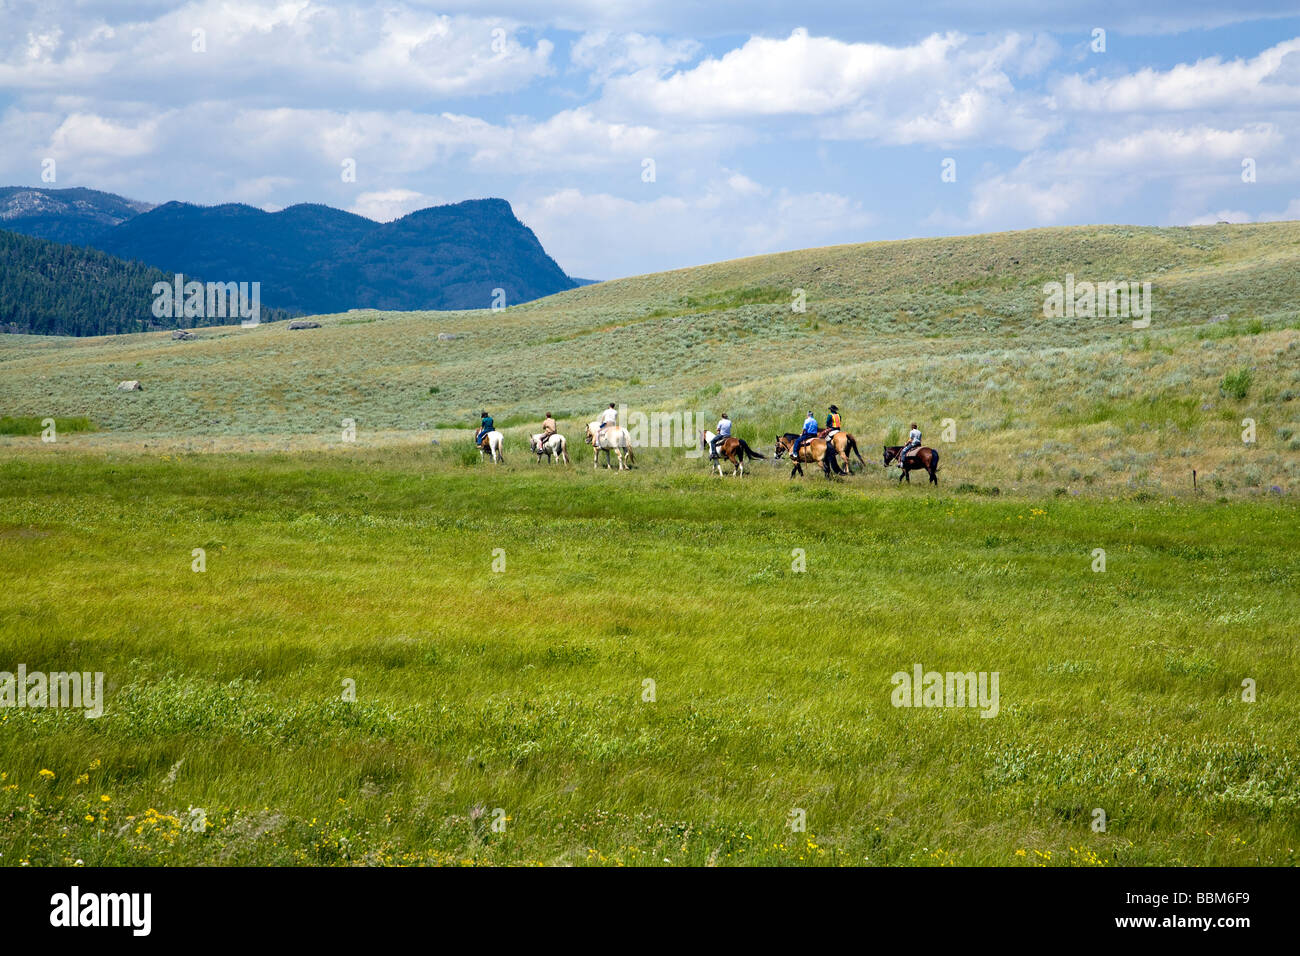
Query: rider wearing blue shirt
{"x": 485, "y": 426}
{"x": 809, "y": 431}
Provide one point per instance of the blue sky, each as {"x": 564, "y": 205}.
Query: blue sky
{"x": 770, "y": 125}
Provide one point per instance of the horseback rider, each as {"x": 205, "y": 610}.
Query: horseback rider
{"x": 724, "y": 431}
{"x": 833, "y": 423}
{"x": 548, "y": 429}
{"x": 608, "y": 417}
{"x": 913, "y": 442}
{"x": 809, "y": 431}
{"x": 485, "y": 426}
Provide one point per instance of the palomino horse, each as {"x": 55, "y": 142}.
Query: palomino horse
{"x": 553, "y": 447}
{"x": 491, "y": 444}
{"x": 610, "y": 438}
{"x": 815, "y": 450}
{"x": 844, "y": 443}
{"x": 926, "y": 459}
{"x": 733, "y": 450}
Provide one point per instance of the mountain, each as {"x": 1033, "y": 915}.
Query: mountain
{"x": 51, "y": 288}
{"x": 317, "y": 259}
{"x": 64, "y": 215}
{"x": 287, "y": 252}
{"x": 446, "y": 257}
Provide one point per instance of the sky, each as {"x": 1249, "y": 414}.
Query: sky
{"x": 646, "y": 135}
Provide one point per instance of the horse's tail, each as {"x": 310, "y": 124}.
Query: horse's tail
{"x": 745, "y": 449}
{"x": 853, "y": 444}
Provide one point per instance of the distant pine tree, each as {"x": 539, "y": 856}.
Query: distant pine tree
{"x": 48, "y": 288}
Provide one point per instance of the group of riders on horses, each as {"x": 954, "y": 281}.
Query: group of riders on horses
{"x": 815, "y": 442}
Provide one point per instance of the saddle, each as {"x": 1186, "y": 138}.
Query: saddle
{"x": 828, "y": 433}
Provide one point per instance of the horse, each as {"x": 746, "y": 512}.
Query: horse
{"x": 733, "y": 450}
{"x": 491, "y": 443}
{"x": 816, "y": 450}
{"x": 613, "y": 438}
{"x": 555, "y": 448}
{"x": 845, "y": 444}
{"x": 926, "y": 459}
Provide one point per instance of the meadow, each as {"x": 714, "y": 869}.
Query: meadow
{"x": 395, "y": 654}
{"x": 521, "y": 692}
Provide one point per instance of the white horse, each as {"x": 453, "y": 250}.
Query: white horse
{"x": 613, "y": 438}
{"x": 493, "y": 440}
{"x": 554, "y": 448}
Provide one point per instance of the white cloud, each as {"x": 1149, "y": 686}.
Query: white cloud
{"x": 944, "y": 88}
{"x": 603, "y": 54}
{"x": 297, "y": 51}
{"x": 430, "y": 101}
{"x": 85, "y": 134}
{"x": 389, "y": 204}
{"x": 1271, "y": 79}
{"x": 600, "y": 235}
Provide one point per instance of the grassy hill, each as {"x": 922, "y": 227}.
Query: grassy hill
{"x": 926, "y": 330}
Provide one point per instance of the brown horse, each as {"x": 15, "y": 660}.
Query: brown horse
{"x": 926, "y": 459}
{"x": 845, "y": 444}
{"x": 733, "y": 450}
{"x": 814, "y": 450}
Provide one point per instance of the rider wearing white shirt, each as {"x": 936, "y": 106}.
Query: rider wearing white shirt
{"x": 724, "y": 431}
{"x": 609, "y": 416}
{"x": 913, "y": 441}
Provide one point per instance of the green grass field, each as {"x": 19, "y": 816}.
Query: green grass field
{"x": 497, "y": 626}
{"x": 522, "y": 690}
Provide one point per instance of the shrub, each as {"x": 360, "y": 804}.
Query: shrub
{"x": 1236, "y": 384}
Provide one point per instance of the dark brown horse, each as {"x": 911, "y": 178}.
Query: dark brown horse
{"x": 813, "y": 450}
{"x": 846, "y": 445}
{"x": 731, "y": 449}
{"x": 925, "y": 459}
